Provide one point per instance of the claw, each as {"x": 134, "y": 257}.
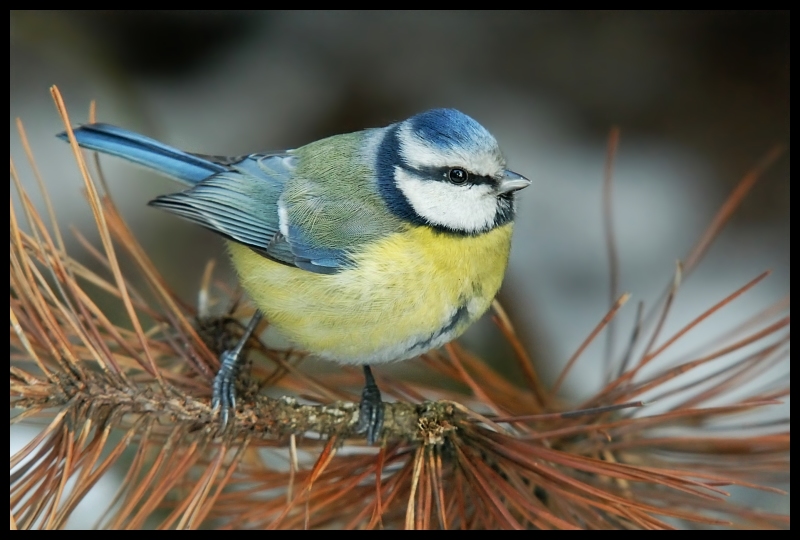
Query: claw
{"x": 224, "y": 397}
{"x": 224, "y": 388}
{"x": 370, "y": 411}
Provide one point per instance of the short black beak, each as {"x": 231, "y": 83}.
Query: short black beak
{"x": 512, "y": 181}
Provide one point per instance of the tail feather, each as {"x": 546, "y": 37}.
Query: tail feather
{"x": 145, "y": 151}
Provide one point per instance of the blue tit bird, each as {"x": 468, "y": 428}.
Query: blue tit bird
{"x": 363, "y": 248}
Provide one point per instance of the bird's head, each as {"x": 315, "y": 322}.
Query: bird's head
{"x": 442, "y": 169}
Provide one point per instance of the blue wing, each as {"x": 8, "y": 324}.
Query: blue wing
{"x": 237, "y": 198}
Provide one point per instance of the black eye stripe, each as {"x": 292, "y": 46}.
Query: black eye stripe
{"x": 442, "y": 174}
{"x": 472, "y": 179}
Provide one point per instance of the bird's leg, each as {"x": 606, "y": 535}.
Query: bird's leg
{"x": 370, "y": 410}
{"x": 230, "y": 361}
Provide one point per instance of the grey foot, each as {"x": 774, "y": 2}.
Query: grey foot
{"x": 224, "y": 396}
{"x": 370, "y": 411}
{"x": 224, "y": 389}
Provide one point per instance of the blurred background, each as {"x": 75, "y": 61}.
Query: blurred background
{"x": 700, "y": 98}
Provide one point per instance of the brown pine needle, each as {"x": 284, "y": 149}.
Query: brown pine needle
{"x": 730, "y": 298}
{"x": 570, "y": 414}
{"x": 729, "y": 207}
{"x": 523, "y": 359}
{"x": 621, "y": 301}
{"x": 611, "y": 242}
{"x": 94, "y": 200}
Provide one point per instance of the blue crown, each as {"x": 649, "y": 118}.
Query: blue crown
{"x": 449, "y": 128}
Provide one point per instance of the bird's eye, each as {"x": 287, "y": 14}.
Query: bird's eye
{"x": 458, "y": 176}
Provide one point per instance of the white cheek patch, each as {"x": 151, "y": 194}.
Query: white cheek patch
{"x": 469, "y": 208}
{"x": 420, "y": 154}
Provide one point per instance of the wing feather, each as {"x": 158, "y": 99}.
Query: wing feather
{"x": 242, "y": 205}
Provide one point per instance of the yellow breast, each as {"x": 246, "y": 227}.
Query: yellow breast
{"x": 405, "y": 295}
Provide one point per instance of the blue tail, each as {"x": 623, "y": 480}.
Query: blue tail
{"x": 139, "y": 149}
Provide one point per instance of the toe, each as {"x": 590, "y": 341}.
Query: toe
{"x": 370, "y": 420}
